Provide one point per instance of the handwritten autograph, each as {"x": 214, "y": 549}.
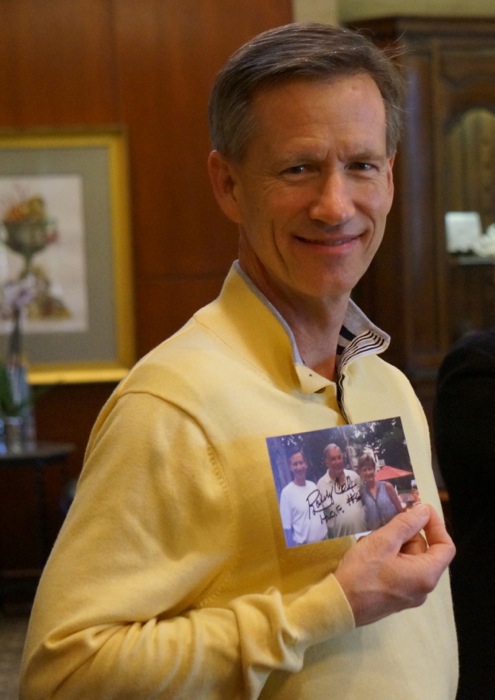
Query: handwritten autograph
{"x": 323, "y": 504}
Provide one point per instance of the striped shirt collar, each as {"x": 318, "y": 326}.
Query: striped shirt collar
{"x": 358, "y": 337}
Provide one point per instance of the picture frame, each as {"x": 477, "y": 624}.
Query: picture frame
{"x": 80, "y": 327}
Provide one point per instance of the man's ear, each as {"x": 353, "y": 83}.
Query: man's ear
{"x": 223, "y": 182}
{"x": 390, "y": 178}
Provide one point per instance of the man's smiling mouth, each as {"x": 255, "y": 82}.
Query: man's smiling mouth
{"x": 329, "y": 243}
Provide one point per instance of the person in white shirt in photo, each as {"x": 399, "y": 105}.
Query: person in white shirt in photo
{"x": 302, "y": 523}
{"x": 340, "y": 490}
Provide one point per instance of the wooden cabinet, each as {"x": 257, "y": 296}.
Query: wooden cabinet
{"x": 424, "y": 296}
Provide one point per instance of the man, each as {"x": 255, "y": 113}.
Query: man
{"x": 171, "y": 577}
{"x": 464, "y": 434}
{"x": 302, "y": 519}
{"x": 340, "y": 491}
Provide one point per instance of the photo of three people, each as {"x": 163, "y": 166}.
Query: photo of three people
{"x": 342, "y": 481}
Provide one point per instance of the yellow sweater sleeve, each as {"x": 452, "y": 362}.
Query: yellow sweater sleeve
{"x": 138, "y": 599}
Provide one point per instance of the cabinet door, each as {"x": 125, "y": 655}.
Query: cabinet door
{"x": 465, "y": 118}
{"x": 415, "y": 289}
{"x": 403, "y": 289}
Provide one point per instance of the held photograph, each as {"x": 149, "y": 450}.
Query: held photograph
{"x": 341, "y": 481}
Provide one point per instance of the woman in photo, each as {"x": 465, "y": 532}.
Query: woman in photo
{"x": 380, "y": 499}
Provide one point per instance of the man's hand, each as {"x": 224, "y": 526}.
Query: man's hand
{"x": 395, "y": 567}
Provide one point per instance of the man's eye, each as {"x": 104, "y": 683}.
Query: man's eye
{"x": 364, "y": 167}
{"x": 296, "y": 170}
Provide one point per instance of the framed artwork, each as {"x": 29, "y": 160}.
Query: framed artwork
{"x": 65, "y": 251}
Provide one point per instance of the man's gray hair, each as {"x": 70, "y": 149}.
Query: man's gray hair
{"x": 297, "y": 51}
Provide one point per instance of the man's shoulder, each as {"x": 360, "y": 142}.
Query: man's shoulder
{"x": 291, "y": 486}
{"x": 186, "y": 362}
{"x": 324, "y": 479}
{"x": 368, "y": 370}
{"x": 352, "y": 475}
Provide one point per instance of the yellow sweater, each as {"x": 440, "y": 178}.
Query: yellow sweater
{"x": 171, "y": 578}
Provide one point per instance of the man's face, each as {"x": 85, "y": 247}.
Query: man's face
{"x": 298, "y": 467}
{"x": 334, "y": 462}
{"x": 312, "y": 194}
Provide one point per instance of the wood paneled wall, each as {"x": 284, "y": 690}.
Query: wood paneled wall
{"x": 149, "y": 66}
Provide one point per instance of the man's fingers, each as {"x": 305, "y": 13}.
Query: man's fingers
{"x": 440, "y": 544}
{"x": 403, "y": 528}
{"x": 435, "y": 530}
{"x": 407, "y": 529}
{"x": 436, "y": 543}
{"x": 396, "y": 566}
{"x": 412, "y": 521}
{"x": 416, "y": 545}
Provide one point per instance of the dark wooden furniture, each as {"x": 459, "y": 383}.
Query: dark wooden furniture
{"x": 37, "y": 459}
{"x": 422, "y": 295}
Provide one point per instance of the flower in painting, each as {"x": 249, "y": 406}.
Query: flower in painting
{"x": 17, "y": 294}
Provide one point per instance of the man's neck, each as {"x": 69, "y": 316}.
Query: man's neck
{"x": 315, "y": 322}
{"x": 316, "y": 331}
{"x": 340, "y": 479}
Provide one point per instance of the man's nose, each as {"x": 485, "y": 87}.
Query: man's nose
{"x": 333, "y": 202}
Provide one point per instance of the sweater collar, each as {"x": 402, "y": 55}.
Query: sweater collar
{"x": 358, "y": 337}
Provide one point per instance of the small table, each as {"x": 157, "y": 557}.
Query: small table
{"x": 39, "y": 457}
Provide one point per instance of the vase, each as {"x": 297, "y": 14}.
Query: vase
{"x": 21, "y": 427}
{"x": 13, "y": 434}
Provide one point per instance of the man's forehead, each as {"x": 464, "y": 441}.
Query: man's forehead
{"x": 299, "y": 113}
